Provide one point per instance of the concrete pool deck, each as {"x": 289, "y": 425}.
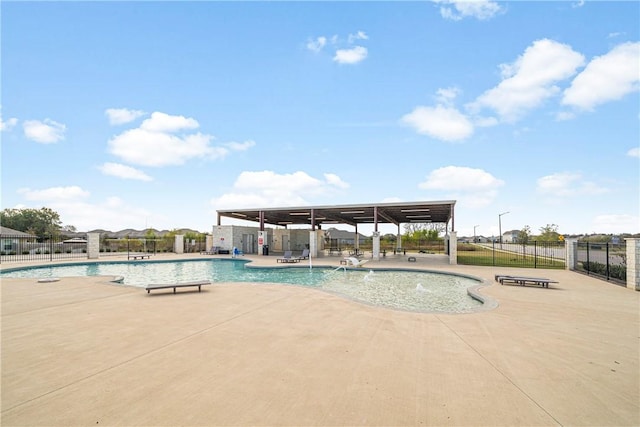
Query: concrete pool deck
{"x": 83, "y": 352}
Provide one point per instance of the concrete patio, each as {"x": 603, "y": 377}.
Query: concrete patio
{"x": 84, "y": 352}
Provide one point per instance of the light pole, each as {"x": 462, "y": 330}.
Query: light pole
{"x": 474, "y": 233}
{"x": 500, "y": 226}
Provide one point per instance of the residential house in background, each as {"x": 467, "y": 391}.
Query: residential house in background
{"x": 335, "y": 238}
{"x": 10, "y": 239}
{"x": 510, "y": 236}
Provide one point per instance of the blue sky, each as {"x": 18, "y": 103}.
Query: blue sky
{"x": 155, "y": 114}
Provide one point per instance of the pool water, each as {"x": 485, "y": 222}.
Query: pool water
{"x": 397, "y": 289}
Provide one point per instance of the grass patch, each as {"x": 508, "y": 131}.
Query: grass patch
{"x": 506, "y": 259}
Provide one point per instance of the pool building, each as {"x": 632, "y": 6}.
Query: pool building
{"x": 312, "y": 223}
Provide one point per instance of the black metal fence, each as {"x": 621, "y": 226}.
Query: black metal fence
{"x": 14, "y": 248}
{"x": 154, "y": 245}
{"x": 530, "y": 255}
{"x": 604, "y": 260}
{"x": 196, "y": 245}
{"x": 19, "y": 248}
{"x": 420, "y": 246}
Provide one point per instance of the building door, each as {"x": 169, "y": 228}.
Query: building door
{"x": 248, "y": 243}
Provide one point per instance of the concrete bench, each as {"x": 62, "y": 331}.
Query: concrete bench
{"x": 522, "y": 281}
{"x": 139, "y": 256}
{"x": 199, "y": 284}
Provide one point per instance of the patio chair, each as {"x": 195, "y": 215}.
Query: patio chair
{"x": 356, "y": 262}
{"x": 305, "y": 254}
{"x": 288, "y": 257}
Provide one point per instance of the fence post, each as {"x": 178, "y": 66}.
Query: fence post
{"x": 178, "y": 246}
{"x": 571, "y": 253}
{"x": 93, "y": 245}
{"x": 633, "y": 263}
{"x": 493, "y": 252}
{"x": 607, "y": 260}
{"x": 453, "y": 248}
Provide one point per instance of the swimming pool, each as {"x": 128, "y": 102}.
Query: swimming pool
{"x": 420, "y": 291}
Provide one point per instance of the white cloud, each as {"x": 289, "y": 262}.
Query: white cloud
{"x": 45, "y": 132}
{"x": 634, "y": 152}
{"x": 347, "y": 54}
{"x": 162, "y": 122}
{"x": 531, "y": 79}
{"x": 485, "y": 122}
{"x": 616, "y": 223}
{"x": 360, "y": 35}
{"x": 120, "y": 116}
{"x": 474, "y": 188}
{"x": 124, "y": 172}
{"x": 440, "y": 122}
{"x": 446, "y": 96}
{"x": 109, "y": 214}
{"x": 459, "y": 9}
{"x": 8, "y": 124}
{"x": 270, "y": 189}
{"x": 74, "y": 209}
{"x": 567, "y": 184}
{"x": 145, "y": 148}
{"x": 317, "y": 44}
{"x": 54, "y": 193}
{"x": 577, "y": 4}
{"x": 240, "y": 146}
{"x": 335, "y": 180}
{"x": 606, "y": 78}
{"x": 157, "y": 142}
{"x": 391, "y": 200}
{"x": 460, "y": 178}
{"x": 350, "y": 56}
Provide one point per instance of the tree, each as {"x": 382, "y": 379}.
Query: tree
{"x": 69, "y": 229}
{"x": 39, "y": 222}
{"x": 424, "y": 229}
{"x": 549, "y": 233}
{"x": 416, "y": 233}
{"x": 389, "y": 237}
{"x": 524, "y": 235}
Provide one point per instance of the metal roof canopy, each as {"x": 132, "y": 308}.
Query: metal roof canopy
{"x": 374, "y": 213}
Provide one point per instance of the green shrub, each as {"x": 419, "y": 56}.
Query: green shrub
{"x": 595, "y": 267}
{"x": 616, "y": 271}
